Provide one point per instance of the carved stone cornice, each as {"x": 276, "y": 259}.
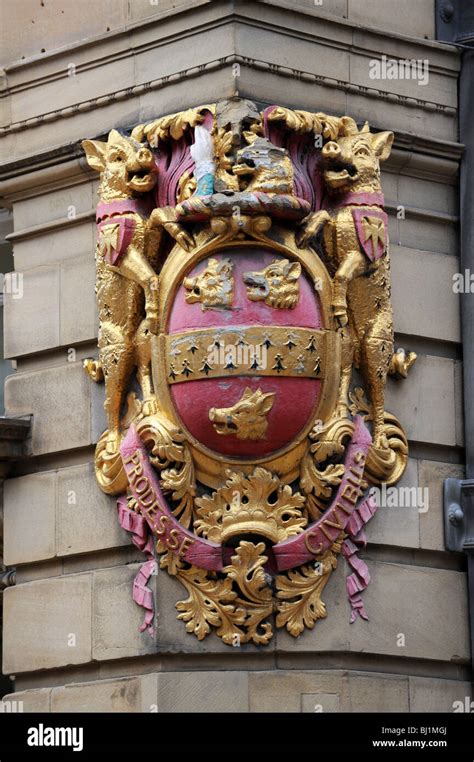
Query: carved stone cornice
{"x": 218, "y": 64}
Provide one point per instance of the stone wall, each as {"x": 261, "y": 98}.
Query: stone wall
{"x": 70, "y": 627}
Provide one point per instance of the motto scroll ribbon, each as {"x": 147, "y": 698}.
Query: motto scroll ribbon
{"x": 323, "y": 533}
{"x": 145, "y": 488}
{"x": 298, "y": 550}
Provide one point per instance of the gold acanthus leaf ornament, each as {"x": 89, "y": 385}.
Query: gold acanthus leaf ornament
{"x": 186, "y": 187}
{"x": 330, "y": 439}
{"x": 246, "y": 570}
{"x": 235, "y": 606}
{"x": 299, "y": 592}
{"x": 172, "y": 126}
{"x": 318, "y": 485}
{"x": 316, "y": 481}
{"x": 223, "y": 144}
{"x": 211, "y": 602}
{"x": 359, "y": 403}
{"x": 169, "y": 452}
{"x": 383, "y": 465}
{"x": 239, "y": 605}
{"x": 306, "y": 121}
{"x": 258, "y": 503}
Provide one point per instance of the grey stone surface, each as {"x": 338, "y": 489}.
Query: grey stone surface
{"x": 47, "y": 624}
{"x": 429, "y": 234}
{"x": 394, "y": 115}
{"x": 107, "y": 559}
{"x": 98, "y": 418}
{"x": 129, "y": 694}
{"x": 143, "y": 9}
{"x": 66, "y": 88}
{"x": 425, "y": 401}
{"x": 420, "y": 193}
{"x": 215, "y": 692}
{"x": 59, "y": 399}
{"x": 429, "y": 694}
{"x": 86, "y": 518}
{"x": 51, "y": 29}
{"x": 281, "y": 691}
{"x": 377, "y": 693}
{"x": 420, "y": 272}
{"x": 320, "y": 702}
{"x": 59, "y": 24}
{"x": 29, "y": 518}
{"x": 309, "y": 55}
{"x": 368, "y": 71}
{"x": 311, "y": 691}
{"x": 413, "y": 19}
{"x": 397, "y": 519}
{"x": 38, "y": 571}
{"x": 55, "y": 205}
{"x": 58, "y": 513}
{"x": 31, "y": 323}
{"x": 78, "y": 313}
{"x": 52, "y": 246}
{"x": 34, "y": 700}
{"x": 459, "y": 402}
{"x": 320, "y": 691}
{"x": 333, "y": 7}
{"x": 116, "y": 617}
{"x": 49, "y": 32}
{"x": 410, "y": 608}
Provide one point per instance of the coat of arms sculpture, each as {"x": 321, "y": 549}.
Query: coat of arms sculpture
{"x": 242, "y": 275}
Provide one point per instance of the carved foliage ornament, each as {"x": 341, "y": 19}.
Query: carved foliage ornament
{"x": 242, "y": 270}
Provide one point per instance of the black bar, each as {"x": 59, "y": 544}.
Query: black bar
{"x": 146, "y": 736}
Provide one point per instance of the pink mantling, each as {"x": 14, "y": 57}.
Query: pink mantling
{"x": 142, "y": 538}
{"x": 174, "y": 159}
{"x": 358, "y": 581}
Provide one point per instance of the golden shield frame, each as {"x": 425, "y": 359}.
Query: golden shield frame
{"x": 211, "y": 466}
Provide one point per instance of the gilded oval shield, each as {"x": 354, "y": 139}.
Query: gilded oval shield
{"x": 248, "y": 358}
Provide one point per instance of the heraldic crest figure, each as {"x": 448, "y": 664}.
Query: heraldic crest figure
{"x": 246, "y": 335}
